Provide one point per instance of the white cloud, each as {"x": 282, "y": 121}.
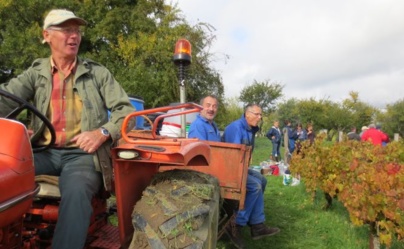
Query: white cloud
{"x": 316, "y": 48}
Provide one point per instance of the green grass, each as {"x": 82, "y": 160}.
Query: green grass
{"x": 304, "y": 223}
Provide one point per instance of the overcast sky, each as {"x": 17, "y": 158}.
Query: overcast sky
{"x": 315, "y": 48}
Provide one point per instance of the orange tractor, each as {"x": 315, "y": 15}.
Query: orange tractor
{"x": 169, "y": 191}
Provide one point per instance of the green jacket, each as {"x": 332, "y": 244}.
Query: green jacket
{"x": 96, "y": 87}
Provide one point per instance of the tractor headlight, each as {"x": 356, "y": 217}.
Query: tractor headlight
{"x": 127, "y": 154}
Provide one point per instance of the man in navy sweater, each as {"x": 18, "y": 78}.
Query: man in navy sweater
{"x": 275, "y": 135}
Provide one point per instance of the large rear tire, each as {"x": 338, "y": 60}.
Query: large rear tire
{"x": 180, "y": 209}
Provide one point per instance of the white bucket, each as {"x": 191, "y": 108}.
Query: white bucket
{"x": 170, "y": 130}
{"x": 172, "y": 125}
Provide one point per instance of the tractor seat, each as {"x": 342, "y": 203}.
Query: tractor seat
{"x": 49, "y": 186}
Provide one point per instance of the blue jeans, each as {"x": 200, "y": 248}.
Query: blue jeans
{"x": 276, "y": 149}
{"x": 78, "y": 183}
{"x": 291, "y": 145}
{"x": 253, "y": 212}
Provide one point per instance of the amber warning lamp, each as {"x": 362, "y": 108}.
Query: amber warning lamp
{"x": 182, "y": 53}
{"x": 182, "y": 59}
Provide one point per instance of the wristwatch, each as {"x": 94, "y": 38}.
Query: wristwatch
{"x": 104, "y": 132}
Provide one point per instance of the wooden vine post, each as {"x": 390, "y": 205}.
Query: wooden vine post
{"x": 286, "y": 145}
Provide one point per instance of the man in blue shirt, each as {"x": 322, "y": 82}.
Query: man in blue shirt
{"x": 242, "y": 131}
{"x": 203, "y": 126}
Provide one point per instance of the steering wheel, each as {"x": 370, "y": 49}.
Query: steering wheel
{"x": 26, "y": 105}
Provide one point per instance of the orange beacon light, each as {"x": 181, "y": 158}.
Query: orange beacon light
{"x": 182, "y": 53}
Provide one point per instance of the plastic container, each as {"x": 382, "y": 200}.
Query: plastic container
{"x": 172, "y": 125}
{"x": 282, "y": 167}
{"x": 256, "y": 168}
{"x": 274, "y": 169}
{"x": 170, "y": 130}
{"x": 287, "y": 178}
{"x": 139, "y": 105}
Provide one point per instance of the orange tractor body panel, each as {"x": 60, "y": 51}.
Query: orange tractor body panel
{"x": 17, "y": 184}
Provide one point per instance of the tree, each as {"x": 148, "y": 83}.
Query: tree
{"x": 322, "y": 114}
{"x": 311, "y": 111}
{"x": 231, "y": 112}
{"x": 393, "y": 119}
{"x": 362, "y": 113}
{"x": 288, "y": 110}
{"x": 338, "y": 117}
{"x": 133, "y": 39}
{"x": 265, "y": 94}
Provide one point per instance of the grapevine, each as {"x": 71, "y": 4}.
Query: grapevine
{"x": 367, "y": 179}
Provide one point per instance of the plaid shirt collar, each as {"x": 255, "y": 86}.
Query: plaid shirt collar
{"x": 72, "y": 68}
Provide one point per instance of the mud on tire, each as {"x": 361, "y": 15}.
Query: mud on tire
{"x": 179, "y": 209}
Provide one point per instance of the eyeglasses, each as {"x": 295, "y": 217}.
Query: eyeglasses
{"x": 67, "y": 30}
{"x": 256, "y": 113}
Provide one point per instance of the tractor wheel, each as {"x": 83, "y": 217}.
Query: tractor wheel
{"x": 179, "y": 209}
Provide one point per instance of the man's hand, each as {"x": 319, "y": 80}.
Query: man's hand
{"x": 90, "y": 141}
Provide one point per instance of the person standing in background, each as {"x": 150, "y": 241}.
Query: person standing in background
{"x": 275, "y": 135}
{"x": 379, "y": 127}
{"x": 375, "y": 136}
{"x": 301, "y": 136}
{"x": 352, "y": 135}
{"x": 291, "y": 136}
{"x": 310, "y": 133}
{"x": 363, "y": 129}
